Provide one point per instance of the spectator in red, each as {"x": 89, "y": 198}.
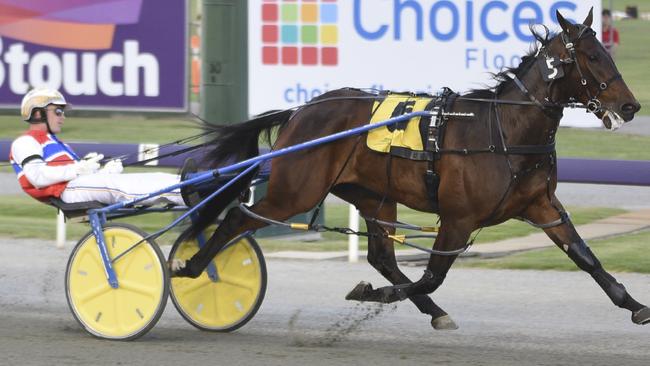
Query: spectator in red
{"x": 610, "y": 33}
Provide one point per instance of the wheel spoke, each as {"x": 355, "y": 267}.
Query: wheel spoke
{"x": 225, "y": 259}
{"x": 125, "y": 262}
{"x": 138, "y": 288}
{"x": 237, "y": 282}
{"x": 116, "y": 310}
{"x": 215, "y": 300}
{"x": 238, "y": 251}
{"x": 93, "y": 293}
{"x": 190, "y": 286}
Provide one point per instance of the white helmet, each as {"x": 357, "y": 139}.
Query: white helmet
{"x": 39, "y": 98}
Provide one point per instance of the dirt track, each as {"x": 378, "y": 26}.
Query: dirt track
{"x": 506, "y": 318}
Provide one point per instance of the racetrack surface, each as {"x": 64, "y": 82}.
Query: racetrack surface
{"x": 505, "y": 318}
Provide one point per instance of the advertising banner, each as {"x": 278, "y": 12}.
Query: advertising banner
{"x": 300, "y": 49}
{"x": 101, "y": 54}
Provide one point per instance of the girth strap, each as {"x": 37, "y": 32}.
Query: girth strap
{"x": 564, "y": 218}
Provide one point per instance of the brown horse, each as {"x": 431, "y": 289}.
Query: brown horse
{"x": 497, "y": 166}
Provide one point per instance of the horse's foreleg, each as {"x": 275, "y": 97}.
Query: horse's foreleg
{"x": 566, "y": 237}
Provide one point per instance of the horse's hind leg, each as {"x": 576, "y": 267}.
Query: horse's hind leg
{"x": 452, "y": 236}
{"x": 381, "y": 255}
{"x": 235, "y": 223}
{"x": 566, "y": 237}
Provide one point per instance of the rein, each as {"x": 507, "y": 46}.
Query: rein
{"x": 147, "y": 151}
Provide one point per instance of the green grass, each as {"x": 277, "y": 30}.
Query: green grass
{"x": 643, "y": 5}
{"x": 601, "y": 144}
{"x": 24, "y": 217}
{"x": 125, "y": 129}
{"x": 634, "y": 51}
{"x": 627, "y": 253}
{"x": 632, "y": 59}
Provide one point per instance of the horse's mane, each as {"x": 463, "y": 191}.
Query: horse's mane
{"x": 503, "y": 78}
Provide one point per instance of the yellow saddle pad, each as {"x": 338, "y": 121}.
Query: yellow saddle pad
{"x": 402, "y": 134}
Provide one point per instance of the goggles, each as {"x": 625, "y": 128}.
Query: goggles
{"x": 59, "y": 111}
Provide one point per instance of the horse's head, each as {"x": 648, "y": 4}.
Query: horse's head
{"x": 591, "y": 77}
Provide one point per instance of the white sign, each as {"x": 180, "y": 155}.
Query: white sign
{"x": 300, "y": 49}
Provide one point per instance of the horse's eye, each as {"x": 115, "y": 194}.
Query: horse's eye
{"x": 593, "y": 57}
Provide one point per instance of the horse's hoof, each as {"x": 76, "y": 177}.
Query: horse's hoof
{"x": 642, "y": 316}
{"x": 359, "y": 292}
{"x": 176, "y": 265}
{"x": 443, "y": 323}
{"x": 179, "y": 268}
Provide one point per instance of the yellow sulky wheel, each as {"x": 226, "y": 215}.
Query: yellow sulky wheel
{"x": 228, "y": 293}
{"x": 132, "y": 309}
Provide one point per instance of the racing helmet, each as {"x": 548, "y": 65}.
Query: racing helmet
{"x": 39, "y": 98}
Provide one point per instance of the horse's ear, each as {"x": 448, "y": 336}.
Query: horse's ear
{"x": 565, "y": 24}
{"x": 590, "y": 18}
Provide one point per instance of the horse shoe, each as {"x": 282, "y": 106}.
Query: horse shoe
{"x": 641, "y": 317}
{"x": 359, "y": 292}
{"x": 443, "y": 323}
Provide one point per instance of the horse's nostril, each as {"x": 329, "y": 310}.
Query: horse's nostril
{"x": 631, "y": 107}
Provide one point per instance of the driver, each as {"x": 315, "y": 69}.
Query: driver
{"x": 47, "y": 168}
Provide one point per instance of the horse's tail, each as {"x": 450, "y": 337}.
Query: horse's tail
{"x": 231, "y": 144}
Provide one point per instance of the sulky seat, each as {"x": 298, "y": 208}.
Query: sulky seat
{"x": 78, "y": 209}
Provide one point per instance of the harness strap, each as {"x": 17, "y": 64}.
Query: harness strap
{"x": 564, "y": 218}
{"x": 524, "y": 90}
{"x": 401, "y": 239}
{"x": 445, "y": 253}
{"x": 508, "y": 150}
{"x": 522, "y": 102}
{"x": 549, "y": 109}
{"x": 401, "y": 225}
{"x": 531, "y": 149}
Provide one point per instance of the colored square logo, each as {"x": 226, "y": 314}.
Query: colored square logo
{"x": 330, "y": 56}
{"x": 289, "y": 55}
{"x": 289, "y": 13}
{"x": 309, "y": 13}
{"x": 309, "y": 34}
{"x": 329, "y": 35}
{"x": 270, "y": 55}
{"x": 289, "y": 34}
{"x": 300, "y": 32}
{"x": 270, "y": 12}
{"x": 270, "y": 33}
{"x": 329, "y": 13}
{"x": 309, "y": 56}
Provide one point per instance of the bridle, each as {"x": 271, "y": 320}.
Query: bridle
{"x": 594, "y": 105}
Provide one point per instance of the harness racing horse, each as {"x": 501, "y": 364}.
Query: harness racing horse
{"x": 494, "y": 167}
